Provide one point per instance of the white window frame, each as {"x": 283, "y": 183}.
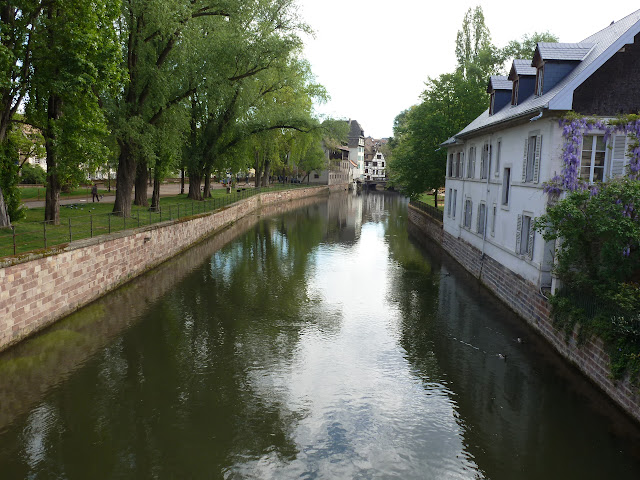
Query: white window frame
{"x": 481, "y": 221}
{"x": 539, "y": 80}
{"x": 514, "y": 92}
{"x": 592, "y": 167}
{"x": 455, "y": 198}
{"x": 471, "y": 162}
{"x": 506, "y": 186}
{"x": 468, "y": 213}
{"x": 498, "y": 155}
{"x": 525, "y": 235}
{"x": 531, "y": 158}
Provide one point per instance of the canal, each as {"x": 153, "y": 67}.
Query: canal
{"x": 318, "y": 343}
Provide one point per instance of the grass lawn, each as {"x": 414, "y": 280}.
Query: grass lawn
{"x": 428, "y": 199}
{"x": 38, "y": 193}
{"x": 88, "y": 219}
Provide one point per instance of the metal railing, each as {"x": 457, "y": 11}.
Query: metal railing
{"x": 428, "y": 209}
{"x": 24, "y": 237}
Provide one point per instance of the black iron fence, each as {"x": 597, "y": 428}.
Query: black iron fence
{"x": 428, "y": 209}
{"x": 26, "y": 237}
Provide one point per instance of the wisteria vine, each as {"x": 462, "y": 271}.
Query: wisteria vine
{"x": 573, "y": 130}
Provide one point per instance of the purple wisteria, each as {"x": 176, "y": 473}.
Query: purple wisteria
{"x": 573, "y": 131}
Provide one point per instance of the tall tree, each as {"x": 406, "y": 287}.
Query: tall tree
{"x": 74, "y": 60}
{"x": 525, "y": 47}
{"x": 17, "y": 27}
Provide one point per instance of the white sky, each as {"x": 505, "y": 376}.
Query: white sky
{"x": 373, "y": 56}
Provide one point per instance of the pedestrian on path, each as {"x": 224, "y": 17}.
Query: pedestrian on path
{"x": 94, "y": 193}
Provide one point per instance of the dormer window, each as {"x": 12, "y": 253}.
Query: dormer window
{"x": 514, "y": 92}
{"x": 539, "y": 80}
{"x": 492, "y": 104}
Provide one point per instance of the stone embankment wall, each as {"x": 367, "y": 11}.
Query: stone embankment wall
{"x": 526, "y": 300}
{"x": 39, "y": 289}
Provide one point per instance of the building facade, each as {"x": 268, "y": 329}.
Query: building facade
{"x": 497, "y": 166}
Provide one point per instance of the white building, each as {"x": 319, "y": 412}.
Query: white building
{"x": 374, "y": 161}
{"x": 356, "y": 148}
{"x": 496, "y": 166}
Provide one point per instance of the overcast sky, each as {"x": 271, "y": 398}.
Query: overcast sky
{"x": 373, "y": 56}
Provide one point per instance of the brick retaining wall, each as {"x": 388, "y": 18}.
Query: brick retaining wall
{"x": 38, "y": 289}
{"x": 525, "y": 299}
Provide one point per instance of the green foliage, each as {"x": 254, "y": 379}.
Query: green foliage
{"x": 450, "y": 102}
{"x": 9, "y": 179}
{"x": 525, "y": 48}
{"x": 32, "y": 174}
{"x": 598, "y": 261}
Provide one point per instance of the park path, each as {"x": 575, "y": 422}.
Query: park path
{"x": 166, "y": 190}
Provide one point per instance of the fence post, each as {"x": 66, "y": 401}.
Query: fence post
{"x": 91, "y": 222}
{"x": 160, "y": 211}
{"x": 138, "y": 219}
{"x": 191, "y": 207}
{"x": 69, "y": 229}
{"x": 109, "y": 217}
{"x": 13, "y": 229}
{"x": 45, "y": 234}
{"x": 178, "y": 210}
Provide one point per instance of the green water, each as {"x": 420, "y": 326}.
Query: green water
{"x": 318, "y": 343}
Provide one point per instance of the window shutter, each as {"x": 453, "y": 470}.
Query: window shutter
{"x": 618, "y": 156}
{"x": 473, "y": 164}
{"x": 518, "y": 234}
{"x": 524, "y": 160}
{"x": 532, "y": 236}
{"x": 462, "y": 165}
{"x": 536, "y": 164}
{"x": 478, "y": 219}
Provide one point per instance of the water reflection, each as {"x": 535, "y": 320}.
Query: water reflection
{"x": 320, "y": 343}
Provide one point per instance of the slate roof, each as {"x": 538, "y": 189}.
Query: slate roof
{"x": 355, "y": 132}
{"x": 499, "y": 82}
{"x": 606, "y": 43}
{"x": 563, "y": 51}
{"x": 521, "y": 68}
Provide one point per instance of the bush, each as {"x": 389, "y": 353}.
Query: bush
{"x": 32, "y": 174}
{"x": 598, "y": 261}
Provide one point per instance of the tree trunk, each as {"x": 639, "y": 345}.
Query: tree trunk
{"x": 206, "y": 192}
{"x": 267, "y": 172}
{"x": 5, "y": 221}
{"x": 52, "y": 198}
{"x": 182, "y": 181}
{"x": 125, "y": 177}
{"x": 258, "y": 175}
{"x": 109, "y": 177}
{"x": 155, "y": 197}
{"x": 141, "y": 198}
{"x": 195, "y": 181}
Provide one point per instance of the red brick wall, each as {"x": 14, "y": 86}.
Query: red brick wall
{"x": 526, "y": 300}
{"x": 37, "y": 291}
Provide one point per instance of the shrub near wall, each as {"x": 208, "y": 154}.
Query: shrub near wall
{"x": 39, "y": 289}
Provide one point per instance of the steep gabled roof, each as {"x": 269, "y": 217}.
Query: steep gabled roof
{"x": 499, "y": 82}
{"x": 521, "y": 67}
{"x": 605, "y": 44}
{"x": 561, "y": 51}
